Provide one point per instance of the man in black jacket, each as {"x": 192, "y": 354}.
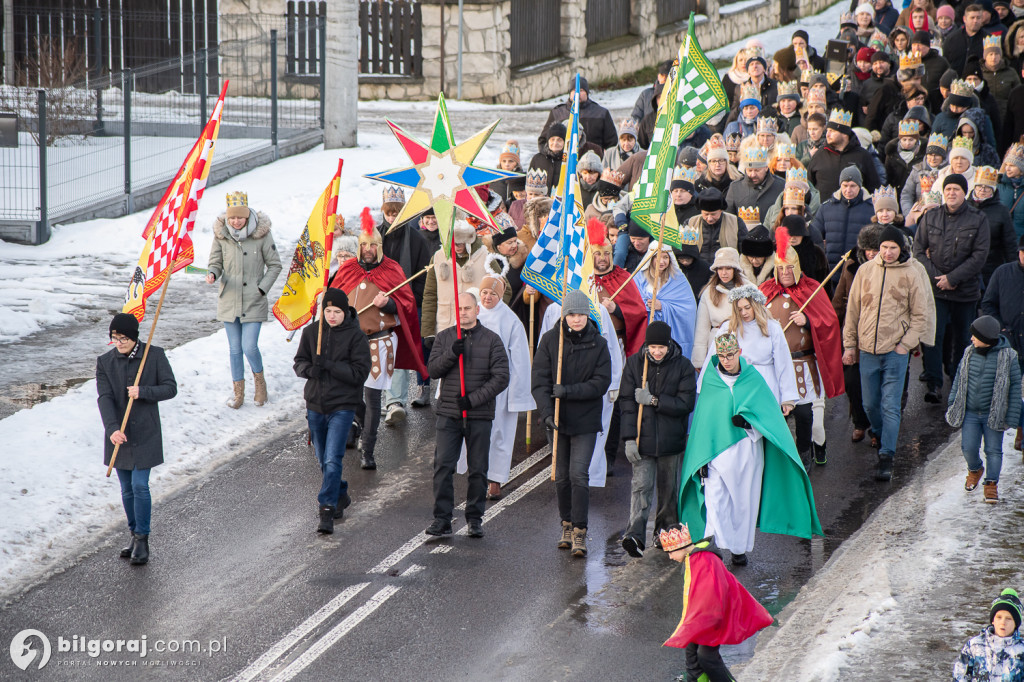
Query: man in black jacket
{"x": 334, "y": 359}
{"x": 667, "y": 397}
{"x": 598, "y": 126}
{"x": 586, "y": 376}
{"x": 842, "y": 149}
{"x": 967, "y": 40}
{"x": 465, "y": 417}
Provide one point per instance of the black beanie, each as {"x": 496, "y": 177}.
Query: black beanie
{"x": 1007, "y": 601}
{"x": 635, "y": 230}
{"x": 337, "y": 298}
{"x": 955, "y": 179}
{"x": 891, "y": 233}
{"x": 499, "y": 238}
{"x": 986, "y": 329}
{"x": 125, "y": 325}
{"x": 556, "y": 130}
{"x": 658, "y": 334}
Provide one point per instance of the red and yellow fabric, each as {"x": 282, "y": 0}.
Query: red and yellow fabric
{"x": 634, "y": 311}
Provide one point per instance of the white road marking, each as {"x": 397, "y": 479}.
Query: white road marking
{"x": 307, "y": 626}
{"x": 517, "y": 494}
{"x": 441, "y": 549}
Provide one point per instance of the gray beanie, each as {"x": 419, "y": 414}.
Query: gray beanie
{"x": 851, "y": 174}
{"x": 576, "y": 303}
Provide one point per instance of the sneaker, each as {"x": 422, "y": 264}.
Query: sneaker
{"x": 476, "y": 528}
{"x": 972, "y": 479}
{"x": 579, "y": 542}
{"x": 820, "y": 458}
{"x": 395, "y": 415}
{"x": 565, "y": 542}
{"x": 633, "y": 546}
{"x": 991, "y": 492}
{"x": 439, "y": 527}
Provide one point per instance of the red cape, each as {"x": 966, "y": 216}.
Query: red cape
{"x": 634, "y": 311}
{"x": 717, "y": 609}
{"x": 825, "y": 330}
{"x": 386, "y": 276}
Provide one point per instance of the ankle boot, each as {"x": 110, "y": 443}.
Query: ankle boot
{"x": 366, "y": 460}
{"x": 236, "y": 400}
{"x": 126, "y": 552}
{"x": 260, "y": 396}
{"x": 140, "y": 551}
{"x": 579, "y": 542}
{"x": 326, "y": 520}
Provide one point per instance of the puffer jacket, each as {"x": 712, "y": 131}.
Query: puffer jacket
{"x": 989, "y": 657}
{"x": 981, "y": 380}
{"x": 344, "y": 364}
{"x": 245, "y": 270}
{"x": 839, "y": 220}
{"x": 586, "y": 375}
{"x": 1002, "y": 238}
{"x": 486, "y": 368}
{"x": 674, "y": 382}
{"x": 1011, "y": 193}
{"x": 887, "y": 305}
{"x": 955, "y": 244}
{"x": 1003, "y": 301}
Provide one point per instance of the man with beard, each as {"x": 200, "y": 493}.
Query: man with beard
{"x": 390, "y": 324}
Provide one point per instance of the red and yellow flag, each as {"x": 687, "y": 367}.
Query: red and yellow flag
{"x": 168, "y": 233}
{"x": 307, "y": 276}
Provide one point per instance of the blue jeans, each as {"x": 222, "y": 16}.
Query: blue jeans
{"x": 138, "y": 505}
{"x": 329, "y": 432}
{"x": 242, "y": 338}
{"x": 881, "y": 383}
{"x": 974, "y": 428}
{"x": 399, "y": 391}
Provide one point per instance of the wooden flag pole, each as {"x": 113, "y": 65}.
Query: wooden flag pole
{"x": 529, "y": 413}
{"x": 391, "y": 291}
{"x": 650, "y": 317}
{"x": 328, "y": 245}
{"x": 145, "y": 354}
{"x": 820, "y": 286}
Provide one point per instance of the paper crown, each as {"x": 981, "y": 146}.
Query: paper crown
{"x": 789, "y": 89}
{"x": 886, "y": 192}
{"x": 725, "y": 344}
{"x": 962, "y": 143}
{"x": 749, "y": 91}
{"x": 910, "y": 127}
{"x": 785, "y": 150}
{"x": 685, "y": 174}
{"x": 800, "y": 53}
{"x": 767, "y": 125}
{"x": 926, "y": 181}
{"x": 613, "y": 176}
{"x": 992, "y": 43}
{"x": 793, "y": 196}
{"x": 751, "y": 215}
{"x": 878, "y": 37}
{"x": 816, "y": 97}
{"x": 939, "y": 141}
{"x": 537, "y": 179}
{"x": 628, "y": 127}
{"x": 237, "y": 199}
{"x": 755, "y": 157}
{"x": 841, "y": 117}
{"x": 987, "y": 176}
{"x": 714, "y": 148}
{"x": 1015, "y": 155}
{"x": 511, "y": 148}
{"x": 393, "y": 195}
{"x": 910, "y": 60}
{"x": 961, "y": 88}
{"x": 847, "y": 18}
{"x": 798, "y": 177}
{"x": 674, "y": 538}
{"x": 732, "y": 142}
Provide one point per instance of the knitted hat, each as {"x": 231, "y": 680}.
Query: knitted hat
{"x": 944, "y": 11}
{"x": 346, "y": 243}
{"x": 797, "y": 177}
{"x": 576, "y": 303}
{"x": 628, "y": 127}
{"x": 684, "y": 178}
{"x": 757, "y": 243}
{"x": 962, "y": 146}
{"x": 851, "y": 174}
{"x": 986, "y": 329}
{"x": 1015, "y": 155}
{"x": 336, "y": 298}
{"x": 865, "y": 54}
{"x": 750, "y": 95}
{"x": 955, "y": 179}
{"x": 635, "y": 229}
{"x": 687, "y": 156}
{"x": 789, "y": 89}
{"x": 658, "y": 334}
{"x": 556, "y": 130}
{"x": 922, "y": 38}
{"x": 590, "y": 162}
{"x": 841, "y": 121}
{"x": 610, "y": 184}
{"x": 727, "y": 257}
{"x": 510, "y": 151}
{"x": 125, "y": 325}
{"x": 891, "y": 233}
{"x": 238, "y": 205}
{"x": 864, "y": 8}
{"x": 885, "y": 198}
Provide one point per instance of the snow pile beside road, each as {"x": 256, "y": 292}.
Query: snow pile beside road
{"x": 54, "y": 499}
{"x": 899, "y": 598}
{"x": 820, "y": 27}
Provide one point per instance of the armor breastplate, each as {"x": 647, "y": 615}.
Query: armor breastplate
{"x": 374, "y": 320}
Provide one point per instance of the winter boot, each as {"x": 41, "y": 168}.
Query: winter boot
{"x": 343, "y": 502}
{"x": 884, "y": 471}
{"x": 739, "y": 559}
{"x": 326, "y": 520}
{"x": 423, "y": 399}
{"x": 820, "y": 458}
{"x": 260, "y": 396}
{"x": 235, "y": 401}
{"x": 991, "y": 492}
{"x": 579, "y": 542}
{"x": 972, "y": 479}
{"x": 127, "y": 551}
{"x": 565, "y": 542}
{"x": 140, "y": 550}
{"x": 366, "y": 460}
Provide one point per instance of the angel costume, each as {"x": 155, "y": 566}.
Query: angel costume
{"x": 678, "y": 306}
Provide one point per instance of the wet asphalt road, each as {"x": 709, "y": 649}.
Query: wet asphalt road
{"x": 236, "y": 560}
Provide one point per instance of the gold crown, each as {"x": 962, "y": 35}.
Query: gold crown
{"x": 992, "y": 43}
{"x": 393, "y": 195}
{"x": 237, "y": 199}
{"x": 800, "y": 54}
{"x": 927, "y": 180}
{"x": 910, "y": 127}
{"x": 785, "y": 150}
{"x": 755, "y": 157}
{"x": 684, "y": 173}
{"x": 749, "y": 214}
{"x": 961, "y": 88}
{"x": 841, "y": 117}
{"x": 675, "y": 538}
{"x": 789, "y": 89}
{"x": 960, "y": 142}
{"x": 987, "y": 176}
{"x": 797, "y": 176}
{"x": 938, "y": 140}
{"x": 750, "y": 91}
{"x": 910, "y": 60}
{"x": 767, "y": 125}
{"x": 726, "y": 343}
{"x": 793, "y": 197}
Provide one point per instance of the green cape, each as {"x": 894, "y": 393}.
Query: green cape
{"x": 787, "y": 502}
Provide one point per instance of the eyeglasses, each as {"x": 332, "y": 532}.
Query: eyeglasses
{"x": 117, "y": 338}
{"x": 728, "y": 356}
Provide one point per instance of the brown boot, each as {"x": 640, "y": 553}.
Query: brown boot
{"x": 972, "y": 479}
{"x": 235, "y": 401}
{"x": 565, "y": 542}
{"x": 579, "y": 542}
{"x": 1017, "y": 440}
{"x": 991, "y": 492}
{"x": 260, "y": 396}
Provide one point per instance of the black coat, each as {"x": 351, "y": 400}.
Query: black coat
{"x": 409, "y": 249}
{"x": 674, "y": 382}
{"x": 114, "y": 373}
{"x": 896, "y": 169}
{"x": 1002, "y": 237}
{"x": 1004, "y": 302}
{"x": 598, "y": 125}
{"x": 1013, "y": 120}
{"x": 586, "y": 375}
{"x": 957, "y": 243}
{"x": 958, "y": 47}
{"x": 548, "y": 163}
{"x": 344, "y": 365}
{"x": 826, "y": 165}
{"x": 486, "y": 366}
{"x": 934, "y": 66}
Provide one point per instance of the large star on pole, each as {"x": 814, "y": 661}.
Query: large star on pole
{"x": 443, "y": 175}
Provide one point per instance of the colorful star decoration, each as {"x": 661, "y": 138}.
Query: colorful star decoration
{"x": 443, "y": 175}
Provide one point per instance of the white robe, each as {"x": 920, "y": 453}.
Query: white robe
{"x": 769, "y": 355}
{"x": 598, "y": 462}
{"x": 514, "y": 399}
{"x": 383, "y": 381}
{"x": 732, "y": 490}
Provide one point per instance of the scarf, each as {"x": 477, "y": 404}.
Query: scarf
{"x": 247, "y": 229}
{"x": 1000, "y": 389}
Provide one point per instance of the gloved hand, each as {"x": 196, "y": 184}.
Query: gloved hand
{"x": 740, "y": 422}
{"x": 428, "y": 345}
{"x": 318, "y": 363}
{"x": 549, "y": 422}
{"x": 558, "y": 391}
{"x": 613, "y": 395}
{"x": 458, "y": 347}
{"x": 464, "y": 404}
{"x": 643, "y": 396}
{"x": 632, "y": 452}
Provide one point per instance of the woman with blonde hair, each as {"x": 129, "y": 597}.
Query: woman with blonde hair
{"x": 674, "y": 303}
{"x": 713, "y": 306}
{"x": 735, "y": 76}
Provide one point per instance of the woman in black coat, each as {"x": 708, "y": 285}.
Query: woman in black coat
{"x": 141, "y": 442}
{"x": 586, "y": 376}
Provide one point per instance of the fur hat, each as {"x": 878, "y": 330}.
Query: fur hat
{"x": 710, "y": 199}
{"x": 727, "y": 257}
{"x": 556, "y": 130}
{"x": 464, "y": 233}
{"x": 867, "y": 238}
{"x": 757, "y": 243}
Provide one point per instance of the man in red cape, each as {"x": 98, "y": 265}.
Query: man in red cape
{"x": 366, "y": 280}
{"x": 628, "y": 311}
{"x": 817, "y": 356}
{"x": 717, "y": 609}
